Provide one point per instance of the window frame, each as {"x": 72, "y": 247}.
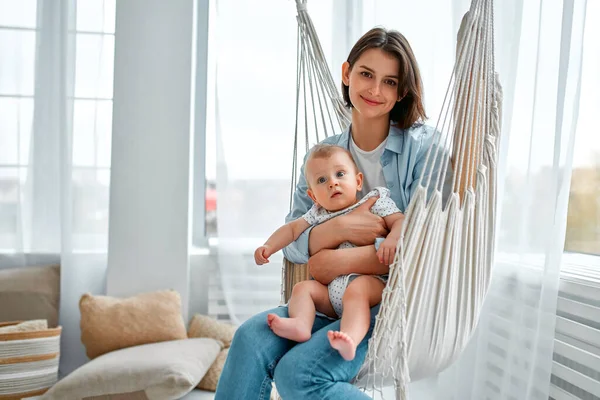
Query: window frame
{"x": 199, "y": 95}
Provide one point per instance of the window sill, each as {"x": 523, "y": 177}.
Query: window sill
{"x": 581, "y": 268}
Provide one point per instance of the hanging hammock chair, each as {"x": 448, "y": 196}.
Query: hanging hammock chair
{"x": 442, "y": 268}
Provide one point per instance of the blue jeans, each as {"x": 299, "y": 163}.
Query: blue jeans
{"x": 309, "y": 370}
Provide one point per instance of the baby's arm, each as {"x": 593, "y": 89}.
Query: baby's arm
{"x": 387, "y": 249}
{"x": 279, "y": 239}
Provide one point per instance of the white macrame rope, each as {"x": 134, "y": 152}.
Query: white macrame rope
{"x": 441, "y": 269}
{"x": 325, "y": 77}
{"x": 313, "y": 90}
{"x": 449, "y": 99}
{"x": 468, "y": 102}
{"x": 314, "y": 84}
{"x": 312, "y": 71}
{"x": 321, "y": 90}
{"x": 474, "y": 85}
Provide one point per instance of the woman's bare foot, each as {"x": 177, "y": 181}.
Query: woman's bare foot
{"x": 342, "y": 343}
{"x": 289, "y": 328}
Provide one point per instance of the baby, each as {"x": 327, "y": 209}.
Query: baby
{"x": 333, "y": 181}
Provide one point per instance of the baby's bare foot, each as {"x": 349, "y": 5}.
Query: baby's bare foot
{"x": 289, "y": 328}
{"x": 342, "y": 343}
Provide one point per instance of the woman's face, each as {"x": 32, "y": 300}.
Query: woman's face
{"x": 373, "y": 83}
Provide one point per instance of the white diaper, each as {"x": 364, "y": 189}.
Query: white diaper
{"x": 338, "y": 286}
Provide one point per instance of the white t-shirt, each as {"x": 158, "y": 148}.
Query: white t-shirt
{"x": 369, "y": 164}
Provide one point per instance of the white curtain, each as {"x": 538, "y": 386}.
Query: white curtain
{"x": 511, "y": 354}
{"x": 539, "y": 48}
{"x": 56, "y": 60}
{"x": 254, "y": 50}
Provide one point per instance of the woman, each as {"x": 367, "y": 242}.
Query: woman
{"x": 381, "y": 83}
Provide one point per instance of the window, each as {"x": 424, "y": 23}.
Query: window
{"x": 92, "y": 121}
{"x": 27, "y": 92}
{"x": 326, "y": 16}
{"x": 204, "y": 210}
{"x": 256, "y": 74}
{"x": 211, "y": 137}
{"x": 576, "y": 358}
{"x": 17, "y": 60}
{"x": 583, "y": 221}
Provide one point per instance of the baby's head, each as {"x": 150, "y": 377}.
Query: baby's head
{"x": 332, "y": 177}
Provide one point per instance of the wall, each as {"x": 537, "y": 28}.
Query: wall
{"x": 150, "y": 169}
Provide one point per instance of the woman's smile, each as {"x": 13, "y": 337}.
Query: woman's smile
{"x": 370, "y": 102}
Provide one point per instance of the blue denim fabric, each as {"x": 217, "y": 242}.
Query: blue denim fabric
{"x": 306, "y": 371}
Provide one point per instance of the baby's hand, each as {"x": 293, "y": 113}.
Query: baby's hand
{"x": 387, "y": 251}
{"x": 262, "y": 254}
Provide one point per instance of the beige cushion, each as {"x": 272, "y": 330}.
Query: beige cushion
{"x": 109, "y": 323}
{"x": 30, "y": 293}
{"x": 203, "y": 326}
{"x": 211, "y": 378}
{"x": 157, "y": 371}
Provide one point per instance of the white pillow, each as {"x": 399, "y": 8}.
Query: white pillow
{"x": 166, "y": 370}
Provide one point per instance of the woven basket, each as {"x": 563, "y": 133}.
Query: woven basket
{"x": 28, "y": 362}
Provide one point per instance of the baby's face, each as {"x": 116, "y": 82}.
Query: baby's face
{"x": 333, "y": 181}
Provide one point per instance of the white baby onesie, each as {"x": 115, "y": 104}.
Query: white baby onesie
{"x": 383, "y": 207}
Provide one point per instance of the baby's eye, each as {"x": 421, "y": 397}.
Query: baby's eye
{"x": 321, "y": 180}
{"x": 366, "y": 74}
{"x": 340, "y": 174}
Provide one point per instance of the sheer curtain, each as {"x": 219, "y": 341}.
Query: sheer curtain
{"x": 254, "y": 50}
{"x": 56, "y": 61}
{"x": 511, "y": 355}
{"x": 538, "y": 57}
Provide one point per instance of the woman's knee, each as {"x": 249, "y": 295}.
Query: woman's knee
{"x": 291, "y": 377}
{"x": 254, "y": 329}
{"x": 308, "y": 369}
{"x": 244, "y": 339}
{"x": 244, "y": 332}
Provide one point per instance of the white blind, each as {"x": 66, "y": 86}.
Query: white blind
{"x": 576, "y": 368}
{"x": 576, "y": 348}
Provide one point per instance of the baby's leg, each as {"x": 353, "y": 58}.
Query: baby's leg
{"x": 361, "y": 294}
{"x": 306, "y": 296}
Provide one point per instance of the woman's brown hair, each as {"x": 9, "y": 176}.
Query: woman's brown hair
{"x": 410, "y": 109}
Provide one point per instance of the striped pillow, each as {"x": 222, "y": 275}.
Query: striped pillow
{"x": 28, "y": 361}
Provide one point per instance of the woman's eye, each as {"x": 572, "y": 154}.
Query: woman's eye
{"x": 391, "y": 83}
{"x": 366, "y": 74}
{"x": 321, "y": 180}
{"x": 340, "y": 174}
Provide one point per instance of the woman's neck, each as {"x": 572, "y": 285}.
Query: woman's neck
{"x": 369, "y": 133}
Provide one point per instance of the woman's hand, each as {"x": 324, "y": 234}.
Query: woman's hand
{"x": 360, "y": 226}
